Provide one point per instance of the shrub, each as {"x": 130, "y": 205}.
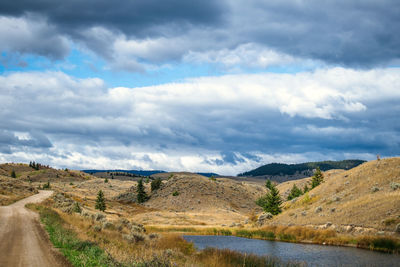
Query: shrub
{"x": 100, "y": 201}
{"x": 46, "y": 185}
{"x": 77, "y": 208}
{"x": 106, "y": 180}
{"x": 317, "y": 179}
{"x": 295, "y": 192}
{"x": 155, "y": 184}
{"x": 141, "y": 194}
{"x": 13, "y": 174}
{"x": 175, "y": 193}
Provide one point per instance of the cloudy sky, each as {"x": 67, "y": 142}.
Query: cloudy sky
{"x": 217, "y": 86}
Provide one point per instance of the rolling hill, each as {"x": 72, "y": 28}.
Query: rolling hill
{"x": 281, "y": 172}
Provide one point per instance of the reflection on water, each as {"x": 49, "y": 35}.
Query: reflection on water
{"x": 313, "y": 255}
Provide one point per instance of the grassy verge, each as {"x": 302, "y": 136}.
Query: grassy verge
{"x": 78, "y": 252}
{"x": 296, "y": 234}
{"x": 167, "y": 250}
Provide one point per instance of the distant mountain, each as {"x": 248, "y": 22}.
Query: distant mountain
{"x": 208, "y": 174}
{"x": 137, "y": 172}
{"x": 301, "y": 170}
{"x": 144, "y": 172}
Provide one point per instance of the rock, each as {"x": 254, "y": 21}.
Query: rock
{"x": 374, "y": 189}
{"x": 264, "y": 217}
{"x": 318, "y": 209}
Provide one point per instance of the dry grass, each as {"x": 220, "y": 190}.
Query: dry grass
{"x": 13, "y": 189}
{"x": 346, "y": 198}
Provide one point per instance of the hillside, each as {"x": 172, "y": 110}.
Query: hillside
{"x": 281, "y": 172}
{"x": 361, "y": 199}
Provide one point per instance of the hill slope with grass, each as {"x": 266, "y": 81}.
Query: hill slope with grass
{"x": 364, "y": 198}
{"x": 281, "y": 172}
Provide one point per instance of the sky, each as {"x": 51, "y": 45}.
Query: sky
{"x": 204, "y": 86}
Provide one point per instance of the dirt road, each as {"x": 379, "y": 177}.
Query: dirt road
{"x": 23, "y": 242}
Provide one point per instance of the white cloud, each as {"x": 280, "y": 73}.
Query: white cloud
{"x": 224, "y": 124}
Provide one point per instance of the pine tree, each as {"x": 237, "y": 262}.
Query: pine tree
{"x": 13, "y": 174}
{"x": 100, "y": 201}
{"x": 106, "y": 180}
{"x": 271, "y": 202}
{"x": 295, "y": 192}
{"x": 155, "y": 184}
{"x": 268, "y": 184}
{"x": 305, "y": 189}
{"x": 317, "y": 179}
{"x": 141, "y": 194}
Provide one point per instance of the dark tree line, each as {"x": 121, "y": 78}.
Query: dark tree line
{"x": 38, "y": 166}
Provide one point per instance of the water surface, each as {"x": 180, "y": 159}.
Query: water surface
{"x": 313, "y": 255}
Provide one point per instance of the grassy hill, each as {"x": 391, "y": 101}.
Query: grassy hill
{"x": 361, "y": 199}
{"x": 282, "y": 172}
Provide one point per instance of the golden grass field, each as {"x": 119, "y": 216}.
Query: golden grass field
{"x": 354, "y": 207}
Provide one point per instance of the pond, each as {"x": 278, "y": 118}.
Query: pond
{"x": 313, "y": 255}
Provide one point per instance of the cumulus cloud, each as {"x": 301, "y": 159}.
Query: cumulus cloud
{"x": 223, "y": 124}
{"x": 141, "y": 35}
{"x": 31, "y": 35}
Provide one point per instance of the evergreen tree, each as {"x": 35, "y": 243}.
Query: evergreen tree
{"x": 305, "y": 189}
{"x": 100, "y": 201}
{"x": 295, "y": 192}
{"x": 141, "y": 194}
{"x": 271, "y": 202}
{"x": 155, "y": 184}
{"x": 268, "y": 184}
{"x": 13, "y": 174}
{"x": 106, "y": 180}
{"x": 317, "y": 178}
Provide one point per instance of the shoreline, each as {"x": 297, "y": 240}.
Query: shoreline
{"x": 340, "y": 240}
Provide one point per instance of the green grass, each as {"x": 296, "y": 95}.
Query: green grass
{"x": 78, "y": 252}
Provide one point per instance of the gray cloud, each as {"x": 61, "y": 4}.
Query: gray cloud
{"x": 32, "y": 35}
{"x": 224, "y": 124}
{"x": 138, "y": 35}
{"x": 140, "y": 18}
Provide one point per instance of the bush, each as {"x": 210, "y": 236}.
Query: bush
{"x": 175, "y": 193}
{"x": 46, "y": 185}
{"x": 295, "y": 192}
{"x": 77, "y": 208}
{"x": 155, "y": 184}
{"x": 100, "y": 201}
{"x": 141, "y": 194}
{"x": 13, "y": 174}
{"x": 317, "y": 179}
